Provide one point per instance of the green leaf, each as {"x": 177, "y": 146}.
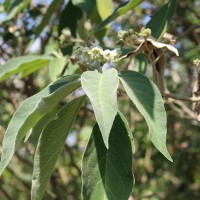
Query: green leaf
{"x": 16, "y": 8}
{"x": 6, "y": 5}
{"x": 104, "y": 8}
{"x": 31, "y": 111}
{"x": 56, "y": 67}
{"x": 10, "y": 4}
{"x": 35, "y": 132}
{"x": 45, "y": 20}
{"x": 86, "y": 5}
{"x": 120, "y": 10}
{"x": 147, "y": 98}
{"x": 107, "y": 173}
{"x": 161, "y": 19}
{"x": 96, "y": 19}
{"x": 23, "y": 64}
{"x": 69, "y": 17}
{"x": 140, "y": 63}
{"x": 101, "y": 89}
{"x": 50, "y": 145}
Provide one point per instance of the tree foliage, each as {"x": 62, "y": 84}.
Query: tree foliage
{"x": 86, "y": 86}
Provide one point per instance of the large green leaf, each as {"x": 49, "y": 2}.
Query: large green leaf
{"x": 147, "y": 98}
{"x": 120, "y": 10}
{"x": 107, "y": 173}
{"x": 31, "y": 111}
{"x": 45, "y": 20}
{"x": 69, "y": 17}
{"x": 50, "y": 145}
{"x": 56, "y": 67}
{"x": 86, "y": 5}
{"x": 34, "y": 134}
{"x": 15, "y": 8}
{"x": 96, "y": 19}
{"x": 101, "y": 89}
{"x": 21, "y": 64}
{"x": 104, "y": 8}
{"x": 10, "y": 4}
{"x": 161, "y": 19}
{"x": 6, "y": 5}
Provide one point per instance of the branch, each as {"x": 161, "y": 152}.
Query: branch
{"x": 4, "y": 51}
{"x": 188, "y": 31}
{"x": 193, "y": 10}
{"x": 181, "y": 98}
{"x": 5, "y": 193}
{"x": 71, "y": 156}
{"x": 181, "y": 110}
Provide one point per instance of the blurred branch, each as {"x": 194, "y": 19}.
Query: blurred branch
{"x": 182, "y": 111}
{"x": 181, "y": 98}
{"x": 23, "y": 160}
{"x": 83, "y": 117}
{"x": 71, "y": 156}
{"x": 4, "y": 51}
{"x": 55, "y": 185}
{"x": 25, "y": 184}
{"x": 5, "y": 193}
{"x": 188, "y": 31}
{"x": 148, "y": 195}
{"x": 185, "y": 109}
{"x": 192, "y": 10}
{"x": 29, "y": 85}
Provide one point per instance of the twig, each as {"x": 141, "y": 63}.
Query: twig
{"x": 5, "y": 193}
{"x": 17, "y": 176}
{"x": 181, "y": 98}
{"x": 188, "y": 31}
{"x": 5, "y": 52}
{"x": 55, "y": 185}
{"x": 23, "y": 160}
{"x": 72, "y": 159}
{"x": 183, "y": 111}
{"x": 148, "y": 195}
{"x": 193, "y": 10}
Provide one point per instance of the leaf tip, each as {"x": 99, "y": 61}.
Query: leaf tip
{"x": 167, "y": 155}
{"x": 106, "y": 144}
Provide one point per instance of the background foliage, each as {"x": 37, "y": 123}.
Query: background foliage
{"x": 32, "y": 40}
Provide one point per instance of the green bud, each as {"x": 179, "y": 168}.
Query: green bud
{"x": 131, "y": 32}
{"x": 145, "y": 33}
{"x": 122, "y": 34}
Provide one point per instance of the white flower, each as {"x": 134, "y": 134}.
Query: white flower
{"x": 111, "y": 56}
{"x": 96, "y": 54}
{"x": 107, "y": 56}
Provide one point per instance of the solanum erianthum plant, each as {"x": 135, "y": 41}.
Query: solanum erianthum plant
{"x": 107, "y": 160}
{"x": 111, "y": 145}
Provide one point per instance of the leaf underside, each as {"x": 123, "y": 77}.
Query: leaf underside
{"x": 24, "y": 65}
{"x": 101, "y": 88}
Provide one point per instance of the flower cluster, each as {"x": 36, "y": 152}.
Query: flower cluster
{"x": 129, "y": 38}
{"x": 145, "y": 41}
{"x": 97, "y": 54}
